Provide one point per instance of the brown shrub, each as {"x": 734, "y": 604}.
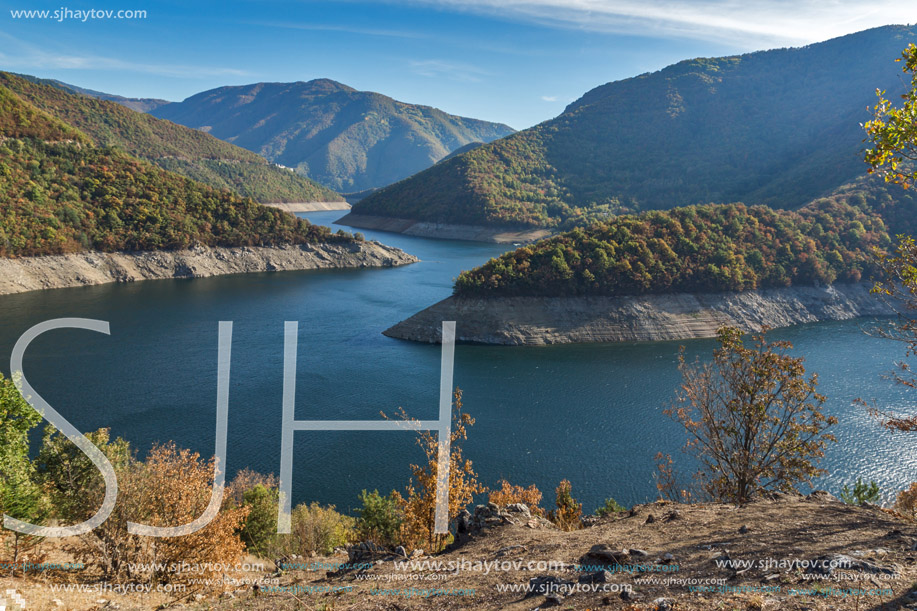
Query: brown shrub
{"x": 175, "y": 488}
{"x": 419, "y": 501}
{"x": 171, "y": 488}
{"x": 906, "y": 502}
{"x": 509, "y": 494}
{"x": 245, "y": 480}
{"x": 569, "y": 513}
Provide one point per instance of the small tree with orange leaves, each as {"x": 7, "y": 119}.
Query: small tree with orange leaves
{"x": 175, "y": 489}
{"x": 666, "y": 478}
{"x": 906, "y": 502}
{"x": 172, "y": 488}
{"x": 569, "y": 512}
{"x": 418, "y": 504}
{"x": 509, "y": 494}
{"x": 753, "y": 418}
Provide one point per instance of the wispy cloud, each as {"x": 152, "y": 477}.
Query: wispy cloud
{"x": 25, "y": 56}
{"x": 347, "y": 29}
{"x": 553, "y": 99}
{"x": 81, "y": 62}
{"x": 731, "y": 21}
{"x": 436, "y": 68}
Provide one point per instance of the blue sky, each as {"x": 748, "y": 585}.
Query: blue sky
{"x": 514, "y": 61}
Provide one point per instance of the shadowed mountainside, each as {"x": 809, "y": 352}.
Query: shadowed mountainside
{"x": 345, "y": 139}
{"x": 778, "y": 127}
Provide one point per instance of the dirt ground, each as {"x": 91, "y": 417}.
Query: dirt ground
{"x": 788, "y": 552}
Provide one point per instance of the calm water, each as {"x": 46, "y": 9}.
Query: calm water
{"x": 589, "y": 413}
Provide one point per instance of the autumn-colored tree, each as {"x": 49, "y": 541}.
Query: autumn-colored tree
{"x": 753, "y": 418}
{"x": 893, "y": 130}
{"x": 508, "y": 494}
{"x": 906, "y": 502}
{"x": 174, "y": 488}
{"x": 171, "y": 488}
{"x": 893, "y": 134}
{"x": 418, "y": 503}
{"x": 569, "y": 512}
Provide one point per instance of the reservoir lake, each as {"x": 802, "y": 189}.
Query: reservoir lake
{"x": 588, "y": 413}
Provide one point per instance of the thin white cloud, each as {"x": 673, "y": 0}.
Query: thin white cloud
{"x": 436, "y": 68}
{"x": 79, "y": 62}
{"x": 739, "y": 22}
{"x": 26, "y": 56}
{"x": 347, "y": 29}
{"x": 549, "y": 98}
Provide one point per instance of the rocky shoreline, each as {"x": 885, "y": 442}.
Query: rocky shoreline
{"x": 310, "y": 206}
{"x": 83, "y": 269}
{"x": 443, "y": 231}
{"x": 517, "y": 321}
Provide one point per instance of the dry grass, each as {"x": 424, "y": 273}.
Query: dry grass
{"x": 785, "y": 528}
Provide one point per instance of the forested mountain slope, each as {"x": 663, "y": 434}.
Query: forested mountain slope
{"x": 60, "y": 193}
{"x": 779, "y": 127}
{"x": 345, "y": 139}
{"x": 172, "y": 147}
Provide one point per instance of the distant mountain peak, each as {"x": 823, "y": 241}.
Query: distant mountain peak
{"x": 345, "y": 139}
{"x": 172, "y": 147}
{"x": 778, "y": 127}
{"x": 327, "y": 84}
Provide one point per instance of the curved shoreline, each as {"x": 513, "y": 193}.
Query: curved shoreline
{"x": 90, "y": 268}
{"x": 309, "y": 206}
{"x": 518, "y": 321}
{"x": 442, "y": 231}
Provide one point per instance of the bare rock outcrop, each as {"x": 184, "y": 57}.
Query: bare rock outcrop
{"x": 61, "y": 271}
{"x": 555, "y": 320}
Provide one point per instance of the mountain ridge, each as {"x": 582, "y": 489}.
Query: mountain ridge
{"x": 137, "y": 104}
{"x": 778, "y": 127}
{"x": 346, "y": 139}
{"x": 61, "y": 193}
{"x": 172, "y": 147}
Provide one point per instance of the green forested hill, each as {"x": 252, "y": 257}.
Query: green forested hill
{"x": 138, "y": 104}
{"x": 21, "y": 120}
{"x": 59, "y": 193}
{"x": 704, "y": 248}
{"x": 173, "y": 147}
{"x": 776, "y": 127}
{"x": 345, "y": 139}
